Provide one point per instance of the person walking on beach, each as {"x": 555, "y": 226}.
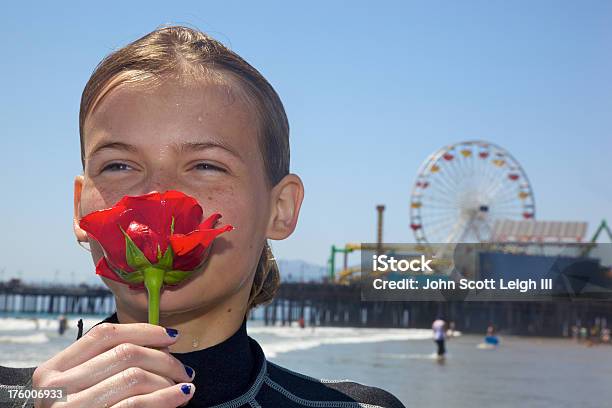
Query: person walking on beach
{"x": 62, "y": 324}
{"x": 439, "y": 335}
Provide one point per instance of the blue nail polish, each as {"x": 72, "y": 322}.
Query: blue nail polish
{"x": 171, "y": 332}
{"x": 189, "y": 371}
{"x": 186, "y": 389}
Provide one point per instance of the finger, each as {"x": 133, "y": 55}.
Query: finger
{"x": 128, "y": 383}
{"x": 120, "y": 358}
{"x": 105, "y": 336}
{"x": 164, "y": 349}
{"x": 175, "y": 396}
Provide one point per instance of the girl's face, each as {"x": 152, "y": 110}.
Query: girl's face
{"x": 200, "y": 139}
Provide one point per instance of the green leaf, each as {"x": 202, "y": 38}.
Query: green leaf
{"x": 172, "y": 226}
{"x": 131, "y": 277}
{"x": 133, "y": 255}
{"x": 165, "y": 262}
{"x": 174, "y": 277}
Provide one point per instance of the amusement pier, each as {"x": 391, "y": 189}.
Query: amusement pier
{"x": 333, "y": 304}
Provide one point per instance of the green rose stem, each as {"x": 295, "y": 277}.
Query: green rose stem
{"x": 153, "y": 280}
{"x": 144, "y": 271}
{"x": 153, "y": 275}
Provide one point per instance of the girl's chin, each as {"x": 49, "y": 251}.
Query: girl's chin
{"x": 124, "y": 289}
{"x": 168, "y": 293}
{"x": 170, "y": 302}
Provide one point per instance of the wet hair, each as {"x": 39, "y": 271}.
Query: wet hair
{"x": 186, "y": 54}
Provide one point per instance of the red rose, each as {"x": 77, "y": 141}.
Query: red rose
{"x": 153, "y": 239}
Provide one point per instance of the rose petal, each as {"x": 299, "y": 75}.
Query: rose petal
{"x": 190, "y": 261}
{"x": 146, "y": 240}
{"x": 184, "y": 243}
{"x": 156, "y": 211}
{"x": 186, "y": 211}
{"x": 210, "y": 221}
{"x": 103, "y": 269}
{"x": 103, "y": 226}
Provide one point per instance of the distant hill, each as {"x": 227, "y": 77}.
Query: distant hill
{"x": 300, "y": 271}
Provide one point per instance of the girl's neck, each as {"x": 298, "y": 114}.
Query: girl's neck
{"x": 198, "y": 328}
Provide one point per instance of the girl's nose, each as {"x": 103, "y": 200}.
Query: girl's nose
{"x": 159, "y": 189}
{"x": 161, "y": 178}
{"x": 160, "y": 186}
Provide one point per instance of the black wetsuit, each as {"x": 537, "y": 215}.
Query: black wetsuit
{"x": 235, "y": 373}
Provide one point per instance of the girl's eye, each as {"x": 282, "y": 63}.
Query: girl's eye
{"x": 208, "y": 166}
{"x": 116, "y": 167}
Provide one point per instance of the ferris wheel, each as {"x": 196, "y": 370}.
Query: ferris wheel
{"x": 463, "y": 188}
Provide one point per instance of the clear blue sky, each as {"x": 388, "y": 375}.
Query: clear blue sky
{"x": 370, "y": 88}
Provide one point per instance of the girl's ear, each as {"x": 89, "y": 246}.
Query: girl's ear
{"x": 286, "y": 201}
{"x": 80, "y": 234}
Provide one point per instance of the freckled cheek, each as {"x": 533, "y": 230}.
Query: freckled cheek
{"x": 89, "y": 201}
{"x": 243, "y": 244}
{"x": 235, "y": 258}
{"x": 239, "y": 208}
{"x": 93, "y": 199}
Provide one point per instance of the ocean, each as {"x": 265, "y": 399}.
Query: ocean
{"x": 532, "y": 372}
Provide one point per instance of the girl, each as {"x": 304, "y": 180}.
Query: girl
{"x": 178, "y": 110}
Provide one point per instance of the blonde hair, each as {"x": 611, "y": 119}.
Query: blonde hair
{"x": 183, "y": 52}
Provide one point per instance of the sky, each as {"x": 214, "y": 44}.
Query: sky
{"x": 370, "y": 89}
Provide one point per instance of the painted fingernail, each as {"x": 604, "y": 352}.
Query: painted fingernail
{"x": 186, "y": 389}
{"x": 189, "y": 371}
{"x": 171, "y": 332}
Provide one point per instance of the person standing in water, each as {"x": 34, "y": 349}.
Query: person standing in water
{"x": 491, "y": 338}
{"x": 439, "y": 335}
{"x": 63, "y": 324}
